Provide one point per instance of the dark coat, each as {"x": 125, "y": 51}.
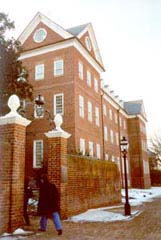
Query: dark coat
{"x": 48, "y": 199}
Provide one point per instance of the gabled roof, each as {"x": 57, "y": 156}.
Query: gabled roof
{"x": 39, "y": 17}
{"x": 77, "y": 32}
{"x": 135, "y": 107}
{"x": 80, "y": 30}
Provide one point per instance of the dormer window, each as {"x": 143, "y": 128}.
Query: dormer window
{"x": 88, "y": 43}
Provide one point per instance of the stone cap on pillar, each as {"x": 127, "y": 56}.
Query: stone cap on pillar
{"x": 58, "y": 131}
{"x": 13, "y": 117}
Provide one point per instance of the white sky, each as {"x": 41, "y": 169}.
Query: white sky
{"x": 128, "y": 33}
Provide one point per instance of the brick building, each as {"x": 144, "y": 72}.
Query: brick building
{"x": 65, "y": 68}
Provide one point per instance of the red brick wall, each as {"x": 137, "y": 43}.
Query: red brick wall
{"x": 12, "y": 156}
{"x": 51, "y": 38}
{"x": 91, "y": 183}
{"x": 139, "y": 179}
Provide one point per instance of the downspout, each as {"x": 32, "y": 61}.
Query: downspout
{"x": 119, "y": 132}
{"x": 103, "y": 140}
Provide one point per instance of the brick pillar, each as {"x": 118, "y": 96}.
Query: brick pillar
{"x": 57, "y": 160}
{"x": 12, "y": 160}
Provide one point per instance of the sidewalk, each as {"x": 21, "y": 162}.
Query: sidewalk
{"x": 146, "y": 226}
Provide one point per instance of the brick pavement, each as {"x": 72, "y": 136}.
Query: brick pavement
{"x": 146, "y": 226}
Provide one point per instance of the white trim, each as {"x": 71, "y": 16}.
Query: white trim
{"x": 139, "y": 116}
{"x": 14, "y": 120}
{"x": 90, "y": 31}
{"x": 61, "y": 45}
{"x": 42, "y": 18}
{"x": 57, "y": 133}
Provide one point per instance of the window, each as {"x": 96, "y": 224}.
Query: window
{"x": 117, "y": 138}
{"x": 88, "y": 78}
{"x": 146, "y": 166}
{"x": 39, "y": 72}
{"x": 82, "y": 146}
{"x": 40, "y": 35}
{"x": 116, "y": 119}
{"x": 106, "y": 156}
{"x": 110, "y": 113}
{"x": 111, "y": 136}
{"x": 117, "y": 161}
{"x": 80, "y": 70}
{"x": 59, "y": 103}
{"x": 90, "y": 111}
{"x": 124, "y": 123}
{"x": 81, "y": 106}
{"x": 58, "y": 68}
{"x": 104, "y": 110}
{"x": 90, "y": 149}
{"x": 37, "y": 153}
{"x": 96, "y": 85}
{"x": 120, "y": 122}
{"x": 88, "y": 43}
{"x": 97, "y": 116}
{"x": 39, "y": 109}
{"x": 105, "y": 133}
{"x": 98, "y": 151}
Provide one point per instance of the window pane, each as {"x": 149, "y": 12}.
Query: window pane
{"x": 58, "y": 68}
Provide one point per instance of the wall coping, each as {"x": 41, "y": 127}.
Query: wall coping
{"x": 57, "y": 133}
{"x": 17, "y": 119}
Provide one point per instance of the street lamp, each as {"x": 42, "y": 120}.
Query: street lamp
{"x": 124, "y": 148}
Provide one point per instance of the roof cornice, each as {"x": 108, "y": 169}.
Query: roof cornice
{"x": 39, "y": 17}
{"x": 72, "y": 42}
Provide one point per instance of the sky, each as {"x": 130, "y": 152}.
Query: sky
{"x": 128, "y": 34}
{"x": 137, "y": 197}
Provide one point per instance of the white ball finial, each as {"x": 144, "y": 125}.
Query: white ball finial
{"x": 58, "y": 120}
{"x": 13, "y": 103}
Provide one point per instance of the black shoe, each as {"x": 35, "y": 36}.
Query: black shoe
{"x": 41, "y": 230}
{"x": 60, "y": 232}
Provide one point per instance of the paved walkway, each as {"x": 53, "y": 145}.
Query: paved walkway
{"x": 146, "y": 226}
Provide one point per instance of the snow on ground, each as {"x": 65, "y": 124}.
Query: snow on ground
{"x": 136, "y": 197}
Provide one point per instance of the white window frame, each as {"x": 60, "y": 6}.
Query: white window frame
{"x": 98, "y": 151}
{"x": 97, "y": 116}
{"x": 120, "y": 121}
{"x": 89, "y": 111}
{"x": 104, "y": 110}
{"x": 81, "y": 106}
{"x": 96, "y": 85}
{"x": 80, "y": 70}
{"x": 58, "y": 71}
{"x": 111, "y": 136}
{"x": 55, "y": 103}
{"x": 39, "y": 71}
{"x": 105, "y": 133}
{"x": 90, "y": 145}
{"x": 89, "y": 78}
{"x": 124, "y": 123}
{"x": 117, "y": 138}
{"x": 110, "y": 113}
{"x": 35, "y": 164}
{"x": 116, "y": 118}
{"x": 82, "y": 146}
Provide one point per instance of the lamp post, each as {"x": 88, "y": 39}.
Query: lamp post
{"x": 124, "y": 147}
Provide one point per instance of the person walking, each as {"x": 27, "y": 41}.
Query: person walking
{"x": 48, "y": 205}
